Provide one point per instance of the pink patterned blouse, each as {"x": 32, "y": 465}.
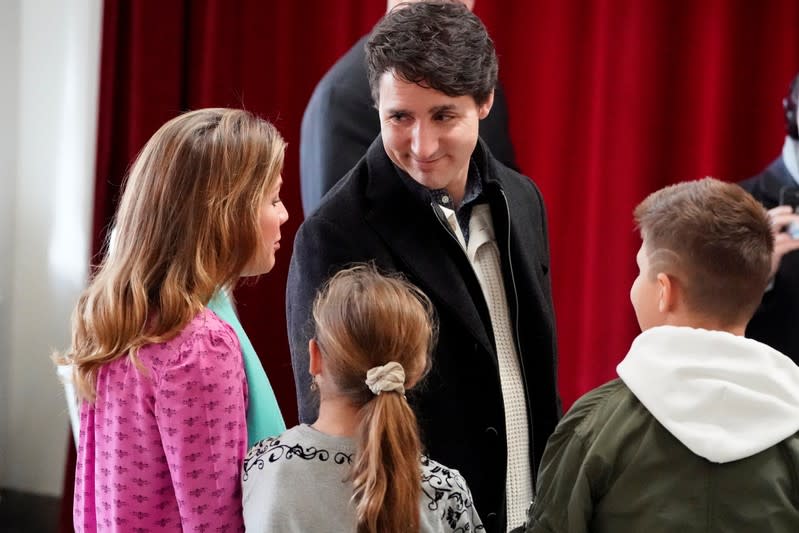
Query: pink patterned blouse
{"x": 161, "y": 450}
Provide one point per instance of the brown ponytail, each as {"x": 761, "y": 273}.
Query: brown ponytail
{"x": 364, "y": 319}
{"x": 385, "y": 475}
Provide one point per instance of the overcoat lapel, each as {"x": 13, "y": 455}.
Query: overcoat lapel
{"x": 416, "y": 238}
{"x": 511, "y": 243}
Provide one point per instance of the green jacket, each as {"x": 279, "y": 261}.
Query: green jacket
{"x": 612, "y": 466}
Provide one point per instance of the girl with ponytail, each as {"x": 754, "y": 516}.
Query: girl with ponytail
{"x": 359, "y": 467}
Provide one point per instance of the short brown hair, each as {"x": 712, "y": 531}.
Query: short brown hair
{"x": 717, "y": 241}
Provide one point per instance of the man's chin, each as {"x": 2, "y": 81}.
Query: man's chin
{"x": 426, "y": 179}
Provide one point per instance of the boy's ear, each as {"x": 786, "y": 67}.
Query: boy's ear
{"x": 315, "y": 358}
{"x": 667, "y": 293}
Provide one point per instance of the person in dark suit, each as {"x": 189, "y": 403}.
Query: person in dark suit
{"x": 777, "y": 188}
{"x": 429, "y": 200}
{"x": 340, "y": 122}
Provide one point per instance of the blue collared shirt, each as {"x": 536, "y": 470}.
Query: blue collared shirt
{"x": 472, "y": 196}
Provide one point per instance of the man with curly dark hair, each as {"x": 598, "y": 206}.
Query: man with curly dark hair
{"x": 430, "y": 200}
{"x": 340, "y": 122}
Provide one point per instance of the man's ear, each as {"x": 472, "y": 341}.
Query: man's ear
{"x": 315, "y": 358}
{"x": 667, "y": 293}
{"x": 484, "y": 108}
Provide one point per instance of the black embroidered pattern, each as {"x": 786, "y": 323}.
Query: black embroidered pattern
{"x": 273, "y": 450}
{"x": 446, "y": 500}
{"x": 446, "y": 493}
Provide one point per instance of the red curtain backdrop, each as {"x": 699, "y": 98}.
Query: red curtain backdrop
{"x": 613, "y": 99}
{"x": 609, "y": 100}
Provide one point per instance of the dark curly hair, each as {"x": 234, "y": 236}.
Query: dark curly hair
{"x": 441, "y": 45}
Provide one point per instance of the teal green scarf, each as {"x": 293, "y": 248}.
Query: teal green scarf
{"x": 263, "y": 414}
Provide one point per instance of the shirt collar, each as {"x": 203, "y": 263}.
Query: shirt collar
{"x": 474, "y": 188}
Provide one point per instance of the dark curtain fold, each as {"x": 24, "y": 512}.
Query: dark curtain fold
{"x": 609, "y": 100}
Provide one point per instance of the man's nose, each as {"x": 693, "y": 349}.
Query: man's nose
{"x": 424, "y": 143}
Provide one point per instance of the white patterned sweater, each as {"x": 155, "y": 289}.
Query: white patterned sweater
{"x": 298, "y": 482}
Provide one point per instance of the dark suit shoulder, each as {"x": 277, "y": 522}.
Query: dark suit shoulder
{"x": 348, "y": 74}
{"x": 766, "y": 186}
{"x": 343, "y": 96}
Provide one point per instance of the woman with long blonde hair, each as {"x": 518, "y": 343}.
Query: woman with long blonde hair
{"x": 162, "y": 429}
{"x": 359, "y": 467}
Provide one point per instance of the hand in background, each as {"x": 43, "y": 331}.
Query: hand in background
{"x": 781, "y": 217}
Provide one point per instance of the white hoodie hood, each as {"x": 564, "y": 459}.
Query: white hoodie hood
{"x": 723, "y": 396}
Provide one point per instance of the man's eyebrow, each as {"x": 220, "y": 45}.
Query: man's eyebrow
{"x": 393, "y": 110}
{"x": 432, "y": 111}
{"x": 441, "y": 108}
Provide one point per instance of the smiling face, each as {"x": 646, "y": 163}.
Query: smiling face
{"x": 429, "y": 135}
{"x": 271, "y": 216}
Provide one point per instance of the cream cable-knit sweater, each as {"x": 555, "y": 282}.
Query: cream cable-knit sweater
{"x": 484, "y": 257}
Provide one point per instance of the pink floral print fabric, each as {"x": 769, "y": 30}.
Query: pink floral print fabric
{"x": 161, "y": 448}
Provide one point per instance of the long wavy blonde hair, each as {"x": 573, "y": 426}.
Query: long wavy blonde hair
{"x": 364, "y": 319}
{"x": 186, "y": 225}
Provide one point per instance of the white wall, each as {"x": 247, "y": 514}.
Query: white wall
{"x": 9, "y": 65}
{"x": 57, "y": 84}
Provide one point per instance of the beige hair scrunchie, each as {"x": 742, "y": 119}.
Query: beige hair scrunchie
{"x": 387, "y": 378}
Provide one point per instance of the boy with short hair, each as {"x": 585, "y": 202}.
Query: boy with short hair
{"x": 700, "y": 431}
